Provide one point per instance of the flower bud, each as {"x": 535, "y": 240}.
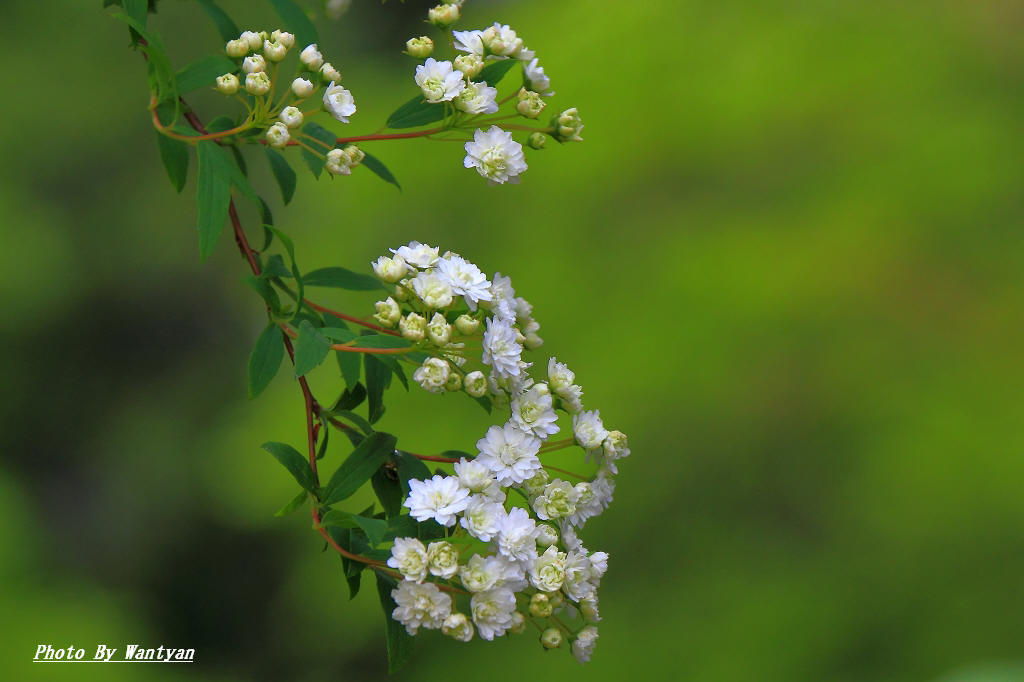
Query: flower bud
{"x": 532, "y": 341}
{"x": 529, "y": 103}
{"x": 439, "y": 331}
{"x": 454, "y": 382}
{"x": 458, "y": 627}
{"x": 257, "y": 83}
{"x": 469, "y": 64}
{"x": 227, "y": 84}
{"x": 433, "y": 374}
{"x": 388, "y": 312}
{"x": 302, "y": 88}
{"x": 537, "y": 140}
{"x": 278, "y": 135}
{"x": 540, "y": 606}
{"x": 413, "y": 326}
{"x": 330, "y": 73}
{"x": 466, "y": 324}
{"x": 354, "y": 154}
{"x": 501, "y": 41}
{"x": 390, "y": 269}
{"x": 551, "y": 638}
{"x": 237, "y": 48}
{"x": 419, "y": 47}
{"x": 403, "y": 290}
{"x": 337, "y": 163}
{"x": 546, "y": 535}
{"x": 444, "y": 15}
{"x": 518, "y": 625}
{"x": 283, "y": 37}
{"x": 568, "y": 126}
{"x": 253, "y": 40}
{"x": 589, "y": 610}
{"x": 475, "y": 384}
{"x": 274, "y": 51}
{"x": 311, "y": 57}
{"x": 254, "y": 63}
{"x": 291, "y": 117}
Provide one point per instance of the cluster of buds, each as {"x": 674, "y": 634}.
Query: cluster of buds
{"x": 255, "y": 50}
{"x": 524, "y": 562}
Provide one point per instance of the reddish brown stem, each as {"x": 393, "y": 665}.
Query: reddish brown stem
{"x": 349, "y": 318}
{"x": 351, "y": 349}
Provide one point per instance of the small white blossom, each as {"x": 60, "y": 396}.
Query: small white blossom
{"x": 274, "y": 51}
{"x": 495, "y": 155}
{"x": 311, "y": 57}
{"x": 466, "y": 324}
{"x": 580, "y": 579}
{"x": 390, "y": 269}
{"x": 339, "y": 102}
{"x": 482, "y": 517}
{"x": 569, "y": 126}
{"x": 283, "y": 37}
{"x": 588, "y": 429}
{"x": 438, "y": 80}
{"x": 477, "y": 98}
{"x": 548, "y": 570}
{"x": 439, "y": 498}
{"x": 534, "y": 485}
{"x": 572, "y": 399}
{"x": 551, "y": 638}
{"x": 546, "y": 535}
{"x": 419, "y": 47}
{"x": 503, "y": 298}
{"x": 409, "y": 556}
{"x": 475, "y": 384}
{"x": 468, "y": 41}
{"x": 583, "y": 645}
{"x": 432, "y": 375}
{"x": 517, "y": 536}
{"x": 616, "y": 446}
{"x": 532, "y": 412}
{"x": 589, "y": 609}
{"x": 227, "y": 84}
{"x": 330, "y": 73}
{"x": 418, "y": 255}
{"x": 338, "y": 162}
{"x": 469, "y": 64}
{"x": 420, "y": 605}
{"x": 439, "y": 331}
{"x": 278, "y": 135}
{"x": 457, "y": 626}
{"x": 500, "y": 349}
{"x": 475, "y": 476}
{"x": 536, "y": 77}
{"x": 291, "y": 117}
{"x": 413, "y": 327}
{"x": 257, "y": 83}
{"x": 443, "y": 15}
{"x": 557, "y": 501}
{"x": 302, "y": 87}
{"x": 252, "y": 39}
{"x": 388, "y": 312}
{"x": 501, "y": 40}
{"x": 492, "y": 611}
{"x": 560, "y": 377}
{"x": 443, "y": 559}
{"x": 237, "y": 48}
{"x": 529, "y": 103}
{"x": 434, "y": 291}
{"x": 509, "y": 453}
{"x": 465, "y": 279}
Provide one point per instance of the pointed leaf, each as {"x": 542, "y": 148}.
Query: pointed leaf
{"x": 174, "y": 154}
{"x": 399, "y": 642}
{"x": 357, "y": 469}
{"x": 213, "y": 193}
{"x": 283, "y": 173}
{"x": 295, "y": 463}
{"x": 294, "y": 505}
{"x": 225, "y": 27}
{"x": 380, "y": 170}
{"x": 265, "y": 359}
{"x": 416, "y": 112}
{"x": 495, "y": 71}
{"x": 340, "y": 278}
{"x": 310, "y": 349}
{"x": 203, "y": 73}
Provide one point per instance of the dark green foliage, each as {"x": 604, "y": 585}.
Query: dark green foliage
{"x": 294, "y": 462}
{"x": 357, "y": 469}
{"x": 265, "y": 359}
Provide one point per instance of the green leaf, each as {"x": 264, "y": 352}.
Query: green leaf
{"x": 310, "y": 349}
{"x": 265, "y": 359}
{"x": 296, "y": 21}
{"x": 403, "y": 526}
{"x": 358, "y": 467}
{"x": 225, "y": 27}
{"x": 415, "y": 112}
{"x": 350, "y": 365}
{"x": 381, "y": 341}
{"x": 399, "y": 642}
{"x": 410, "y": 467}
{"x": 350, "y": 541}
{"x": 380, "y": 170}
{"x": 495, "y": 71}
{"x": 275, "y": 267}
{"x": 174, "y": 154}
{"x": 338, "y": 334}
{"x": 391, "y": 361}
{"x": 294, "y": 505}
{"x": 266, "y": 292}
{"x": 375, "y": 529}
{"x": 283, "y": 173}
{"x": 326, "y": 432}
{"x": 137, "y": 10}
{"x": 213, "y": 193}
{"x": 340, "y": 278}
{"x": 158, "y": 66}
{"x": 326, "y": 142}
{"x": 290, "y": 458}
{"x": 203, "y": 73}
{"x": 377, "y": 378}
{"x": 354, "y": 420}
{"x": 389, "y": 491}
{"x": 351, "y": 398}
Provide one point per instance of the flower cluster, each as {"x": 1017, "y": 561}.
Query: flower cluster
{"x": 255, "y": 51}
{"x": 526, "y": 561}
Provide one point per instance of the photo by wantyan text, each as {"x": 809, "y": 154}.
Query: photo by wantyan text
{"x": 107, "y": 654}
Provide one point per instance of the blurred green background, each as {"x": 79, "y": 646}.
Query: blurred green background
{"x": 787, "y": 261}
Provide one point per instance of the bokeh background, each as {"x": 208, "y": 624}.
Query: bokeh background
{"x": 788, "y": 261}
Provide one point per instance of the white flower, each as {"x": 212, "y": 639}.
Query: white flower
{"x": 583, "y": 645}
{"x": 302, "y": 88}
{"x": 484, "y": 573}
{"x": 557, "y": 501}
{"x": 501, "y": 350}
{"x": 589, "y": 429}
{"x": 589, "y": 609}
{"x": 438, "y": 80}
{"x": 546, "y": 535}
{"x": 419, "y": 47}
{"x": 458, "y": 627}
{"x": 572, "y": 399}
{"x": 532, "y": 412}
{"x": 330, "y": 73}
{"x": 388, "y": 312}
{"x": 468, "y": 41}
{"x": 227, "y": 84}
{"x": 439, "y": 498}
{"x": 569, "y": 537}
{"x": 580, "y": 580}
{"x": 420, "y": 605}
{"x": 253, "y": 40}
{"x": 475, "y": 477}
{"x": 501, "y": 40}
{"x": 495, "y": 155}
{"x": 509, "y": 453}
{"x": 466, "y": 324}
{"x": 534, "y": 485}
{"x": 338, "y": 102}
{"x": 443, "y": 15}
{"x": 311, "y": 57}
{"x": 390, "y": 269}
{"x": 338, "y": 162}
{"x": 551, "y": 638}
{"x": 517, "y": 535}
{"x": 616, "y": 446}
{"x": 529, "y": 103}
{"x": 432, "y": 375}
{"x": 439, "y": 331}
{"x": 477, "y": 98}
{"x": 274, "y": 51}
{"x": 237, "y": 48}
{"x": 409, "y": 556}
{"x": 469, "y": 64}
{"x": 536, "y": 77}
{"x": 569, "y": 126}
{"x": 586, "y": 505}
{"x": 443, "y": 559}
{"x": 417, "y": 255}
{"x": 257, "y": 83}
{"x": 492, "y": 611}
{"x": 560, "y": 377}
{"x": 475, "y": 384}
{"x": 283, "y": 37}
{"x": 504, "y": 298}
{"x": 291, "y": 117}
{"x": 465, "y": 279}
{"x": 482, "y": 517}
{"x": 434, "y": 291}
{"x": 548, "y": 570}
{"x": 413, "y": 327}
